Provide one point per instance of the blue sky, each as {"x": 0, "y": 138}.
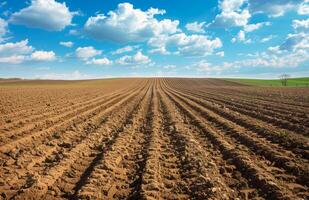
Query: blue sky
{"x": 71, "y": 39}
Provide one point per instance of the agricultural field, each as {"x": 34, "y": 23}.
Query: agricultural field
{"x": 156, "y": 138}
{"x": 291, "y": 82}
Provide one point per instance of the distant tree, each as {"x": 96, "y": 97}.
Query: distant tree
{"x": 284, "y": 79}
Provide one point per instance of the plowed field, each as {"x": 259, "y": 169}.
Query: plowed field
{"x": 153, "y": 139}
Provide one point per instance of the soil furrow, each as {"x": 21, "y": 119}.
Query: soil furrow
{"x": 296, "y": 143}
{"x": 283, "y": 121}
{"x": 117, "y": 170}
{"x": 53, "y": 121}
{"x": 248, "y": 165}
{"x": 153, "y": 138}
{"x": 280, "y": 158}
{"x": 31, "y": 140}
{"x": 226, "y": 92}
{"x": 161, "y": 178}
{"x": 199, "y": 168}
{"x": 43, "y": 182}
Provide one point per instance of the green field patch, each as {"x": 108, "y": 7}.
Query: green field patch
{"x": 292, "y": 82}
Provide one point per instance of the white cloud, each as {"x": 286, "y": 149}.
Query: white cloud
{"x": 18, "y": 48}
{"x": 266, "y": 39}
{"x": 169, "y": 66}
{"x": 204, "y": 66}
{"x": 231, "y": 5}
{"x": 3, "y": 28}
{"x": 14, "y": 59}
{"x": 137, "y": 59}
{"x": 268, "y": 59}
{"x": 220, "y": 53}
{"x": 158, "y": 49}
{"x": 84, "y": 53}
{"x": 67, "y": 44}
{"x": 253, "y": 27}
{"x": 187, "y": 45}
{"x": 231, "y": 14}
{"x": 291, "y": 53}
{"x": 241, "y": 37}
{"x": 298, "y": 41}
{"x": 304, "y": 8}
{"x": 124, "y": 50}
{"x": 19, "y": 52}
{"x": 195, "y": 27}
{"x": 301, "y": 24}
{"x": 43, "y": 56}
{"x": 274, "y": 8}
{"x": 295, "y": 42}
{"x": 238, "y": 12}
{"x": 45, "y": 14}
{"x": 75, "y": 75}
{"x": 99, "y": 61}
{"x": 276, "y": 59}
{"x": 230, "y": 19}
{"x": 127, "y": 24}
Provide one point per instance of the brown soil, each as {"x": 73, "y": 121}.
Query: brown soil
{"x": 152, "y": 139}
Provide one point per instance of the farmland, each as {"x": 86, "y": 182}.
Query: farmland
{"x": 165, "y": 138}
{"x": 292, "y": 82}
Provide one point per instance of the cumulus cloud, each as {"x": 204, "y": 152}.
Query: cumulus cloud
{"x": 267, "y": 59}
{"x": 295, "y": 42}
{"x": 14, "y": 53}
{"x": 301, "y": 24}
{"x": 196, "y": 27}
{"x": 84, "y": 53}
{"x": 291, "y": 53}
{"x": 187, "y": 45}
{"x": 138, "y": 59}
{"x": 67, "y": 44}
{"x": 304, "y": 8}
{"x": 231, "y": 14}
{"x": 230, "y": 19}
{"x": 18, "y": 48}
{"x": 276, "y": 59}
{"x": 19, "y": 52}
{"x": 99, "y": 61}
{"x": 127, "y": 24}
{"x": 45, "y": 14}
{"x": 274, "y": 8}
{"x": 238, "y": 12}
{"x": 124, "y": 49}
{"x": 43, "y": 55}
{"x": 241, "y": 36}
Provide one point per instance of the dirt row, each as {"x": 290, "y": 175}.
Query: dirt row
{"x": 154, "y": 139}
{"x": 237, "y": 94}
